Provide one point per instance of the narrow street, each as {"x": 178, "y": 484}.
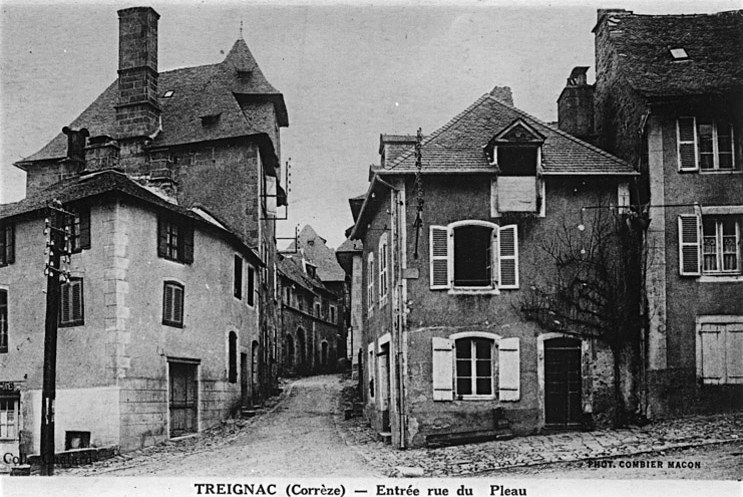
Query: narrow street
{"x": 297, "y": 437}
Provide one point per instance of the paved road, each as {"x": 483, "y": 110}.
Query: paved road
{"x": 297, "y": 438}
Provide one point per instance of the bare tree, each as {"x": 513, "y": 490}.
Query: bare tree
{"x": 597, "y": 292}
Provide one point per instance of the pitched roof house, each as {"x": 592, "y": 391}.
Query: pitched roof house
{"x": 447, "y": 355}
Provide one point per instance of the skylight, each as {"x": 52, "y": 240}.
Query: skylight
{"x": 679, "y": 54}
{"x": 168, "y": 94}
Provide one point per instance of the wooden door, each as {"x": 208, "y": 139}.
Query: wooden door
{"x": 562, "y": 383}
{"x": 244, "y": 380}
{"x": 183, "y": 399}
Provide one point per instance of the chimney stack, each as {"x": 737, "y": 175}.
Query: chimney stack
{"x": 575, "y": 105}
{"x": 503, "y": 94}
{"x": 137, "y": 107}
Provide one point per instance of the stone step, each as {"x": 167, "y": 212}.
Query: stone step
{"x": 386, "y": 437}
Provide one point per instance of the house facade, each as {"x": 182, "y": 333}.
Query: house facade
{"x": 156, "y": 325}
{"x": 451, "y": 248}
{"x": 309, "y": 319}
{"x": 207, "y": 138}
{"x": 668, "y": 98}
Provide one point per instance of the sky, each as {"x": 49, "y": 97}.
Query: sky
{"x": 348, "y": 72}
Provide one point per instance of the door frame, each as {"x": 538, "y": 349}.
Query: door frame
{"x": 189, "y": 361}
{"x": 585, "y": 350}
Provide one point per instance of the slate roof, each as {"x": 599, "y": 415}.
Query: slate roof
{"x": 197, "y": 91}
{"x": 458, "y": 146}
{"x": 350, "y": 246}
{"x": 319, "y": 254}
{"x": 291, "y": 268}
{"x": 108, "y": 182}
{"x": 713, "y": 42}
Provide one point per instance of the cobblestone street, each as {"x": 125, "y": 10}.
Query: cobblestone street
{"x": 303, "y": 434}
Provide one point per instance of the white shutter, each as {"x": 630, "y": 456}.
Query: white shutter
{"x": 686, "y": 138}
{"x": 439, "y": 257}
{"x": 442, "y": 369}
{"x": 689, "y": 245}
{"x": 713, "y": 353}
{"x": 734, "y": 352}
{"x": 509, "y": 377}
{"x": 508, "y": 257}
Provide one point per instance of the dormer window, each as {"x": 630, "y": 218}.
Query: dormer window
{"x": 518, "y": 187}
{"x": 679, "y": 54}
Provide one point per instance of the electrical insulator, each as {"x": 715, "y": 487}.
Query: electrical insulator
{"x": 46, "y": 271}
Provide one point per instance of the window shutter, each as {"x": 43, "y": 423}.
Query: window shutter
{"x": 187, "y": 248}
{"x": 687, "y": 144}
{"x": 238, "y": 277}
{"x": 509, "y": 377}
{"x": 439, "y": 247}
{"x": 76, "y": 311}
{"x": 251, "y": 285}
{"x": 178, "y": 304}
{"x": 689, "y": 245}
{"x": 10, "y": 244}
{"x": 734, "y": 350}
{"x": 64, "y": 303}
{"x": 3, "y": 245}
{"x": 713, "y": 353}
{"x": 508, "y": 257}
{"x": 168, "y": 303}
{"x": 442, "y": 369}
{"x": 84, "y": 240}
{"x": 162, "y": 238}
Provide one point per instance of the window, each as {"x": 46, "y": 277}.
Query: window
{"x": 475, "y": 366}
{"x": 709, "y": 245}
{"x": 238, "y": 277}
{"x": 175, "y": 240}
{"x": 79, "y": 224}
{"x": 317, "y": 309}
{"x": 720, "y": 245}
{"x": 332, "y": 314}
{"x": 720, "y": 349}
{"x": 251, "y": 286}
{"x": 679, "y": 54}
{"x": 370, "y": 277}
{"x": 704, "y": 144}
{"x": 7, "y": 244}
{"x": 383, "y": 272}
{"x": 9, "y": 417}
{"x": 173, "y": 304}
{"x": 71, "y": 303}
{"x": 3, "y": 320}
{"x": 232, "y": 357}
{"x": 474, "y": 255}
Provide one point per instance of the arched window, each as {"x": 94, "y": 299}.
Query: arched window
{"x": 232, "y": 357}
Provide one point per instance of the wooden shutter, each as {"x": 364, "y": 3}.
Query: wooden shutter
{"x": 508, "y": 257}
{"x": 162, "y": 237}
{"x": 84, "y": 235}
{"x": 178, "y": 304}
{"x": 238, "y": 277}
{"x": 687, "y": 144}
{"x": 442, "y": 369}
{"x": 689, "y": 245}
{"x": 251, "y": 286}
{"x": 734, "y": 351}
{"x": 713, "y": 353}
{"x": 186, "y": 235}
{"x": 9, "y": 244}
{"x": 76, "y": 307}
{"x": 439, "y": 259}
{"x": 167, "y": 303}
{"x": 64, "y": 303}
{"x": 509, "y": 374}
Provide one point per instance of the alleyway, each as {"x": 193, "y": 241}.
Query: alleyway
{"x": 298, "y": 437}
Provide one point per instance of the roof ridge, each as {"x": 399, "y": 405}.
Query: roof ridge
{"x": 562, "y": 133}
{"x": 201, "y": 66}
{"x": 449, "y": 124}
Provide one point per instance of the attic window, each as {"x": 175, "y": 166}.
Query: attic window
{"x": 168, "y": 94}
{"x": 679, "y": 54}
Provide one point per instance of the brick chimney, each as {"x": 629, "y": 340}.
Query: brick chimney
{"x": 137, "y": 107}
{"x": 575, "y": 105}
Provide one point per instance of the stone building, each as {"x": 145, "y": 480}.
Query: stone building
{"x": 205, "y": 138}
{"x": 447, "y": 354}
{"x": 668, "y": 98}
{"x": 350, "y": 255}
{"x": 309, "y": 319}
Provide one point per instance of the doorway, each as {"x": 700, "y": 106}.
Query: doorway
{"x": 244, "y": 380}
{"x": 384, "y": 383}
{"x": 183, "y": 398}
{"x": 562, "y": 383}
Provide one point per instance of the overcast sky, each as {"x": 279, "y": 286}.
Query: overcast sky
{"x": 348, "y": 72}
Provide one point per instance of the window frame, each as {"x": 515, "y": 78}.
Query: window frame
{"x": 15, "y": 401}
{"x": 716, "y": 124}
{"x": 250, "y": 292}
{"x": 182, "y": 249}
{"x": 7, "y": 248}
{"x": 472, "y": 337}
{"x": 232, "y": 353}
{"x": 237, "y": 277}
{"x": 69, "y": 286}
{"x": 383, "y": 270}
{"x": 79, "y": 224}
{"x": 371, "y": 277}
{"x": 719, "y": 246}
{"x": 169, "y": 317}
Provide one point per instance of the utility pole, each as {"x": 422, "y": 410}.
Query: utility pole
{"x": 57, "y": 250}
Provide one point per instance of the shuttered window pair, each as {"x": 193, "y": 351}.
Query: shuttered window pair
{"x": 720, "y": 351}
{"x": 476, "y": 367}
{"x": 7, "y": 244}
{"x": 704, "y": 144}
{"x": 71, "y": 307}
{"x": 175, "y": 239}
{"x": 173, "y": 304}
{"x": 474, "y": 255}
{"x": 709, "y": 245}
